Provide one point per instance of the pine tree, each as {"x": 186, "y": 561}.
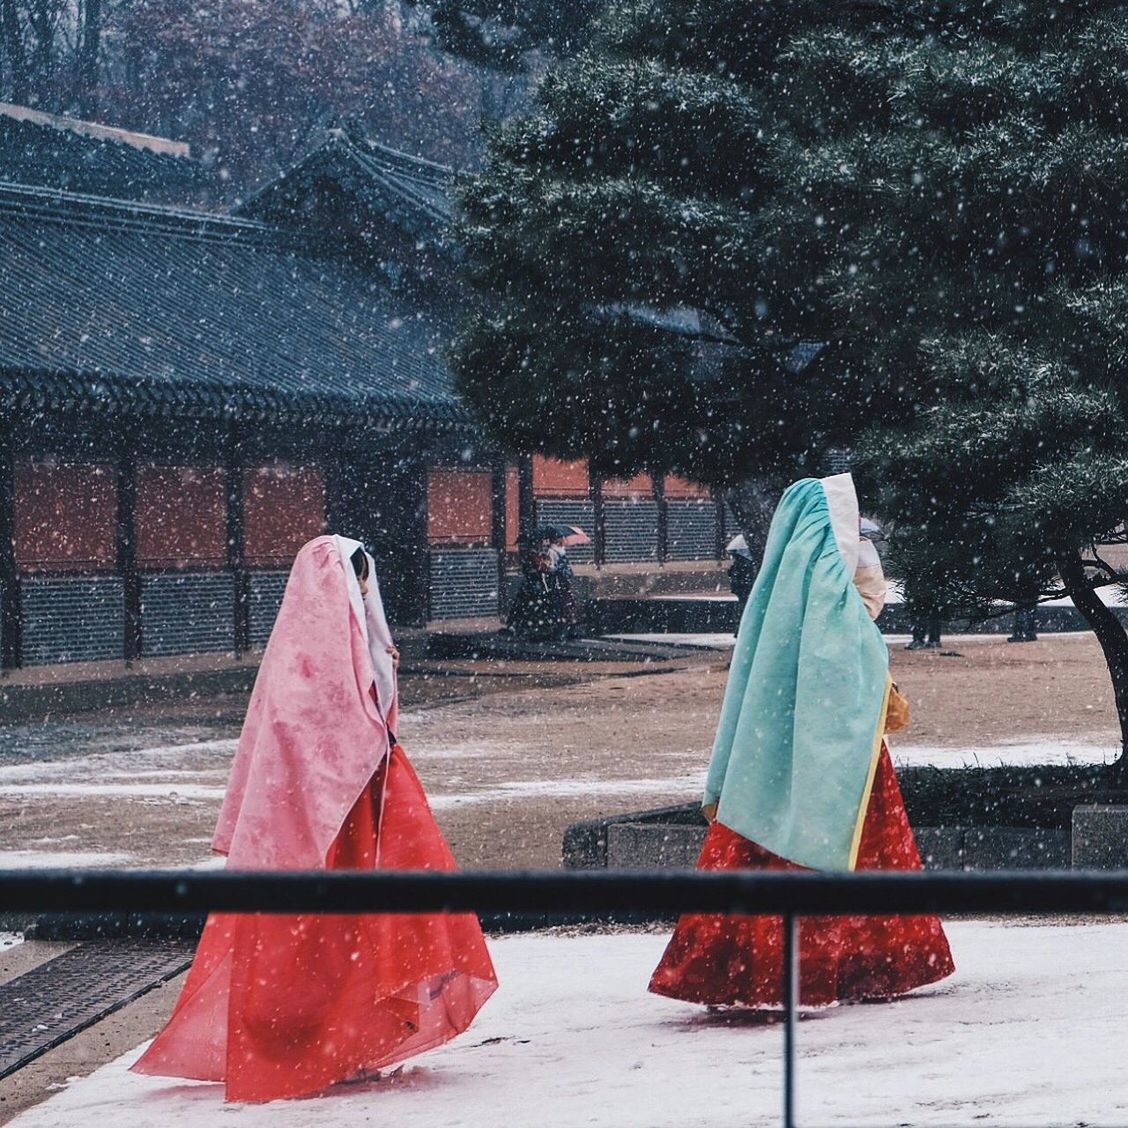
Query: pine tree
{"x": 975, "y": 253}
{"x": 623, "y": 240}
{"x": 934, "y": 190}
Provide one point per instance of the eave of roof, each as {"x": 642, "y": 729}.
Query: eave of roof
{"x": 56, "y": 282}
{"x": 84, "y": 209}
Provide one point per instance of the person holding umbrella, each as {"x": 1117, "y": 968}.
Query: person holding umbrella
{"x": 529, "y": 610}
{"x": 560, "y": 569}
{"x": 545, "y": 605}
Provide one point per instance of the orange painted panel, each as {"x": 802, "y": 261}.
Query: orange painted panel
{"x": 682, "y": 487}
{"x": 459, "y": 506}
{"x": 181, "y": 517}
{"x": 66, "y": 516}
{"x": 553, "y": 478}
{"x": 638, "y": 486}
{"x": 283, "y": 507}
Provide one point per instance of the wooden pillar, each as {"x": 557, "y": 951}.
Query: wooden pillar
{"x": 499, "y": 492}
{"x": 379, "y": 496}
{"x": 526, "y": 497}
{"x": 722, "y": 537}
{"x": 234, "y": 465}
{"x": 598, "y": 519}
{"x": 400, "y": 537}
{"x": 658, "y": 487}
{"x": 11, "y": 599}
{"x": 125, "y": 539}
{"x": 337, "y": 494}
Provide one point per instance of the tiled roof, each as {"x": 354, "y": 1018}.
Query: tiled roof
{"x": 135, "y": 307}
{"x": 41, "y": 149}
{"x": 411, "y": 193}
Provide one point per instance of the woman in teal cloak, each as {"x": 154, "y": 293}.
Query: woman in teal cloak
{"x": 801, "y": 777}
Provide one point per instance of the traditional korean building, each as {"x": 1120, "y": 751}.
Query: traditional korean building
{"x": 186, "y": 397}
{"x": 399, "y": 208}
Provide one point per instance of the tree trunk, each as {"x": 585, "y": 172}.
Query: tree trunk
{"x": 1113, "y": 642}
{"x": 753, "y": 502}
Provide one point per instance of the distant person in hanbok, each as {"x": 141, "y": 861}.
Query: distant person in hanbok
{"x": 284, "y": 1005}
{"x": 533, "y": 611}
{"x": 560, "y": 577}
{"x": 801, "y": 777}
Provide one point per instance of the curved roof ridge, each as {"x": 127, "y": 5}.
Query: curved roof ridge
{"x": 42, "y": 202}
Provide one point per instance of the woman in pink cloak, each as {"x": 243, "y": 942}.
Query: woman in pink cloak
{"x": 284, "y": 1005}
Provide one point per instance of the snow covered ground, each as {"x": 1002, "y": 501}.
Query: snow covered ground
{"x": 10, "y": 939}
{"x": 60, "y": 859}
{"x": 1028, "y": 1032}
{"x": 1111, "y": 595}
{"x": 1029, "y": 753}
{"x": 717, "y": 641}
{"x": 724, "y": 641}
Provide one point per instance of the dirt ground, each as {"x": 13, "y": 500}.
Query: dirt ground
{"x": 510, "y": 755}
{"x": 990, "y": 692}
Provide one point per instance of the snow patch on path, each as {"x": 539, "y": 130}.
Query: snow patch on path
{"x": 1033, "y": 753}
{"x": 42, "y": 859}
{"x": 1028, "y": 1032}
{"x": 714, "y": 641}
{"x": 172, "y": 791}
{"x": 692, "y": 783}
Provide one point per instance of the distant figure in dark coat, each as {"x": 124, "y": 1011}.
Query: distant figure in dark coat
{"x": 1025, "y": 621}
{"x": 741, "y": 573}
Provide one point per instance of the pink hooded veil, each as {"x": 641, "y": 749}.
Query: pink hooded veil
{"x": 314, "y": 736}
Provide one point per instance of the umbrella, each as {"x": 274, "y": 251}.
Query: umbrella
{"x": 569, "y": 534}
{"x": 871, "y": 530}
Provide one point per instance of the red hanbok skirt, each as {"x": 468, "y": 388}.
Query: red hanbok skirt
{"x": 285, "y": 1005}
{"x": 738, "y": 960}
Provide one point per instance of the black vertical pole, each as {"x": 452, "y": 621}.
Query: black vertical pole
{"x": 11, "y": 599}
{"x": 662, "y": 532}
{"x": 598, "y": 519}
{"x": 526, "y": 498}
{"x": 499, "y": 489}
{"x": 417, "y": 541}
{"x": 790, "y": 1007}
{"x": 237, "y": 539}
{"x": 334, "y": 499}
{"x": 388, "y": 490}
{"x": 722, "y": 537}
{"x": 126, "y": 546}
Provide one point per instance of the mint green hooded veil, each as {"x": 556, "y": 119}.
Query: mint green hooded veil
{"x": 804, "y": 709}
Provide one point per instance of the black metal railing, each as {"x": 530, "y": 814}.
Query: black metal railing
{"x": 788, "y": 894}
